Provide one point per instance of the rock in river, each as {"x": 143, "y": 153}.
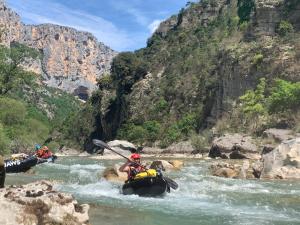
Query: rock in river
{"x": 38, "y": 203}
{"x": 283, "y": 162}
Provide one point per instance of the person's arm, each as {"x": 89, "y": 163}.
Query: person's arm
{"x": 125, "y": 167}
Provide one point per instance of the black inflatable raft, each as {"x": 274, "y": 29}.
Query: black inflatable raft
{"x": 146, "y": 187}
{"x": 17, "y": 166}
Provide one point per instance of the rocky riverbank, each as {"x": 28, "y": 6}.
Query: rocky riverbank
{"x": 39, "y": 203}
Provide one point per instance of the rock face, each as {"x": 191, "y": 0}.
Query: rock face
{"x": 283, "y": 162}
{"x": 234, "y": 146}
{"x": 72, "y": 60}
{"x": 267, "y": 16}
{"x": 38, "y": 203}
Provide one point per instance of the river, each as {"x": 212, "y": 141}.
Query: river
{"x": 201, "y": 199}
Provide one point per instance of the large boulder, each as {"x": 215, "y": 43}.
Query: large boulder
{"x": 124, "y": 145}
{"x": 38, "y": 203}
{"x": 177, "y": 164}
{"x": 121, "y": 146}
{"x": 2, "y": 172}
{"x": 166, "y": 165}
{"x": 278, "y": 135}
{"x": 224, "y": 170}
{"x": 283, "y": 162}
{"x": 234, "y": 146}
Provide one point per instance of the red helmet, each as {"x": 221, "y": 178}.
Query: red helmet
{"x": 135, "y": 156}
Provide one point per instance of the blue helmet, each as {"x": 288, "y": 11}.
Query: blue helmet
{"x": 37, "y": 146}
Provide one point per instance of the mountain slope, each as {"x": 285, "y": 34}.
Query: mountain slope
{"x": 72, "y": 60}
{"x": 194, "y": 69}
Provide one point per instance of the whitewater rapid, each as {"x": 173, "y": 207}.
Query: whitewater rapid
{"x": 200, "y": 199}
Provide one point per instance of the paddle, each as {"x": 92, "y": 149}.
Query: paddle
{"x": 102, "y": 144}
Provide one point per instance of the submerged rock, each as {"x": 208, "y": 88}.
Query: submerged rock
{"x": 242, "y": 170}
{"x": 114, "y": 175}
{"x": 38, "y": 203}
{"x": 166, "y": 165}
{"x": 283, "y": 162}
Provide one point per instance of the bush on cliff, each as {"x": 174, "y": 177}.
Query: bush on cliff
{"x": 265, "y": 107}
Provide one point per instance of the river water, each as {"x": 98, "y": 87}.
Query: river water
{"x": 201, "y": 199}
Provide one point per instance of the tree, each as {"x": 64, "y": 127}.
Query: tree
{"x": 11, "y": 71}
{"x": 127, "y": 69}
{"x": 284, "y": 96}
{"x": 254, "y": 103}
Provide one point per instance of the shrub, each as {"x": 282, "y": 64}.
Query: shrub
{"x": 161, "y": 105}
{"x": 257, "y": 59}
{"x": 152, "y": 129}
{"x": 11, "y": 111}
{"x": 201, "y": 142}
{"x": 187, "y": 124}
{"x": 105, "y": 82}
{"x": 244, "y": 26}
{"x": 171, "y": 135}
{"x": 285, "y": 28}
{"x": 284, "y": 96}
{"x": 133, "y": 133}
{"x": 253, "y": 105}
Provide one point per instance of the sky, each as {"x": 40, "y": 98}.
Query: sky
{"x": 123, "y": 25}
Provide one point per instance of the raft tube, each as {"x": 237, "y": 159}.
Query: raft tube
{"x": 17, "y": 166}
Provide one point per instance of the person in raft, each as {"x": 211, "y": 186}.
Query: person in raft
{"x": 43, "y": 152}
{"x": 133, "y": 166}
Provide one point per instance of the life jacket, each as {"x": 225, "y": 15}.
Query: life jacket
{"x": 46, "y": 155}
{"x": 134, "y": 170}
{"x": 40, "y": 153}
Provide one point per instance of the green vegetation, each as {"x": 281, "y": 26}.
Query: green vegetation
{"x": 11, "y": 72}
{"x": 285, "y": 28}
{"x": 257, "y": 59}
{"x": 264, "y": 106}
{"x": 284, "y": 97}
{"x": 29, "y": 113}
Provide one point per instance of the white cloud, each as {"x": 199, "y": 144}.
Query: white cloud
{"x": 37, "y": 12}
{"x": 154, "y": 25}
{"x": 139, "y": 16}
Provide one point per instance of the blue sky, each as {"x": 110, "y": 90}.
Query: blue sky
{"x": 123, "y": 25}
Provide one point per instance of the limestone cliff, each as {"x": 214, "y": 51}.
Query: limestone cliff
{"x": 72, "y": 60}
